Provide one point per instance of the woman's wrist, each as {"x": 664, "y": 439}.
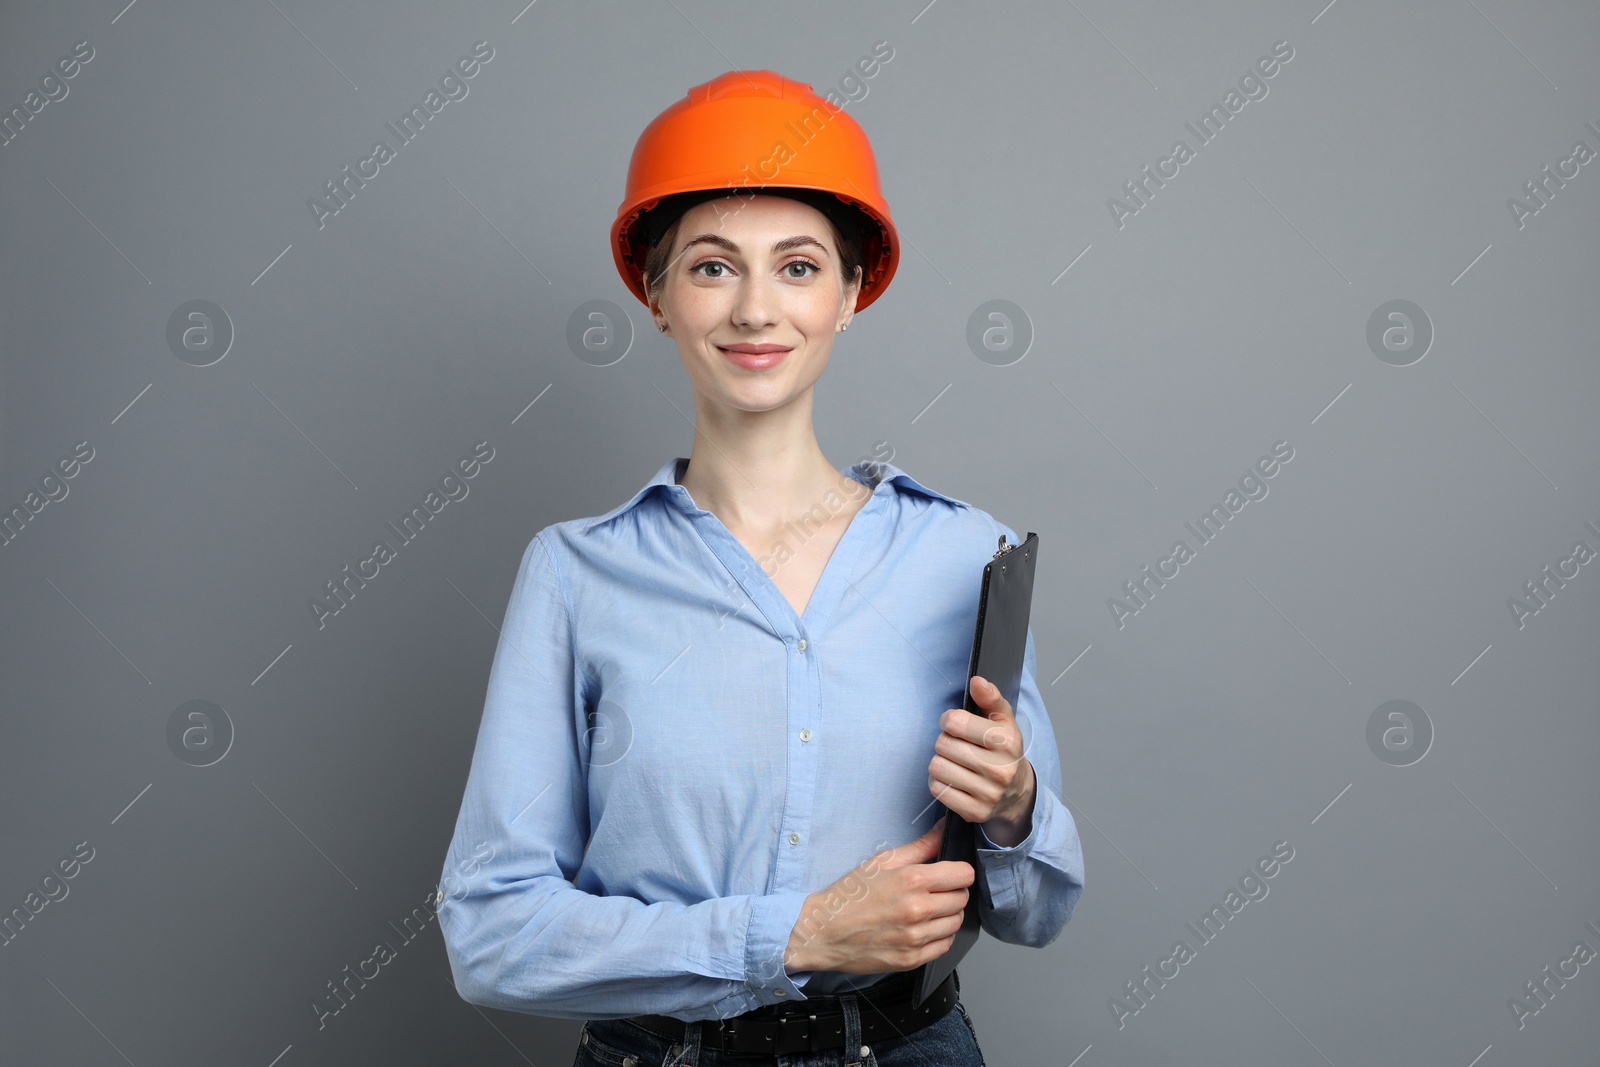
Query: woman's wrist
{"x": 797, "y": 956}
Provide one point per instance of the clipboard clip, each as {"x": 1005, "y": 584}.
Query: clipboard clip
{"x": 1003, "y": 549}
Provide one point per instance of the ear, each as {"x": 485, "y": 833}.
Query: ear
{"x": 655, "y": 307}
{"x": 852, "y": 294}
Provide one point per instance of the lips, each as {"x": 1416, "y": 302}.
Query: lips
{"x": 755, "y": 357}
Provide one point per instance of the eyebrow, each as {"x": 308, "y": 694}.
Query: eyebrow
{"x": 784, "y": 245}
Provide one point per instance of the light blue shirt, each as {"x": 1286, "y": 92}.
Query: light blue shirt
{"x": 670, "y": 760}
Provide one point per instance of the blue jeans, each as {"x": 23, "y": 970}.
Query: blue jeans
{"x": 950, "y": 1042}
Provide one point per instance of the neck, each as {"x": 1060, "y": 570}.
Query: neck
{"x": 758, "y": 470}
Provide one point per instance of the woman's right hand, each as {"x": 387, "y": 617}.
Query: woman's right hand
{"x": 895, "y": 911}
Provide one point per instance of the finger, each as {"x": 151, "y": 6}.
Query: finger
{"x": 928, "y": 844}
{"x": 918, "y": 850}
{"x": 949, "y": 776}
{"x": 962, "y": 803}
{"x": 998, "y": 712}
{"x": 969, "y": 759}
{"x": 961, "y": 723}
{"x": 995, "y": 746}
{"x": 989, "y": 697}
{"x": 951, "y": 912}
{"x": 949, "y": 876}
{"x": 942, "y": 924}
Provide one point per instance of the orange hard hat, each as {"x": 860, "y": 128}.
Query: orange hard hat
{"x": 755, "y": 131}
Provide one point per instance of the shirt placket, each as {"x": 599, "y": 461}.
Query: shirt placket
{"x": 802, "y": 699}
{"x": 801, "y": 708}
{"x": 803, "y": 677}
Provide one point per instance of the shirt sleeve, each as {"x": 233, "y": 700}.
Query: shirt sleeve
{"x": 1034, "y": 884}
{"x": 519, "y": 935}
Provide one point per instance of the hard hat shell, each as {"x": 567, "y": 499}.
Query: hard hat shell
{"x": 752, "y": 131}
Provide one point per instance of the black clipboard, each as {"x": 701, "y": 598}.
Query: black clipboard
{"x": 999, "y": 644}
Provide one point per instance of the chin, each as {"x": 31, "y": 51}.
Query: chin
{"x": 757, "y": 404}
{"x": 765, "y": 398}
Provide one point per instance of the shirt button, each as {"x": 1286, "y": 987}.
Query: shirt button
{"x": 794, "y": 839}
{"x": 801, "y": 644}
{"x": 805, "y": 735}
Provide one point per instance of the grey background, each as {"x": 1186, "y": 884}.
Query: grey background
{"x": 1228, "y": 314}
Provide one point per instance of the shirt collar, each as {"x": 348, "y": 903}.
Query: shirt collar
{"x": 877, "y": 475}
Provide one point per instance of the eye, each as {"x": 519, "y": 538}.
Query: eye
{"x": 802, "y": 263}
{"x": 709, "y": 263}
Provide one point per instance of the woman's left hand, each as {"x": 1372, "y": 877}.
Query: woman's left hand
{"x": 978, "y": 770}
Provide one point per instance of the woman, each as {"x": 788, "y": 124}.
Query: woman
{"x": 722, "y": 717}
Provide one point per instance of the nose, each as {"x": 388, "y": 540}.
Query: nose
{"x": 754, "y": 306}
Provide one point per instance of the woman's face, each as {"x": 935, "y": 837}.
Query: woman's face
{"x": 756, "y": 272}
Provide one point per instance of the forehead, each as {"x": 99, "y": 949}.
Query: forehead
{"x": 751, "y": 220}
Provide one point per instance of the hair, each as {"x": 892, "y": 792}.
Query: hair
{"x": 846, "y": 224}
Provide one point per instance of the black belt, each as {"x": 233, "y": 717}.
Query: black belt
{"x": 782, "y": 1029}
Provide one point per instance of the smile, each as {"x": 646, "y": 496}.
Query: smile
{"x": 755, "y": 357}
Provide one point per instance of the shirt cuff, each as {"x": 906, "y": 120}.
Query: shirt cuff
{"x": 772, "y": 921}
{"x": 1002, "y": 884}
{"x": 988, "y": 850}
